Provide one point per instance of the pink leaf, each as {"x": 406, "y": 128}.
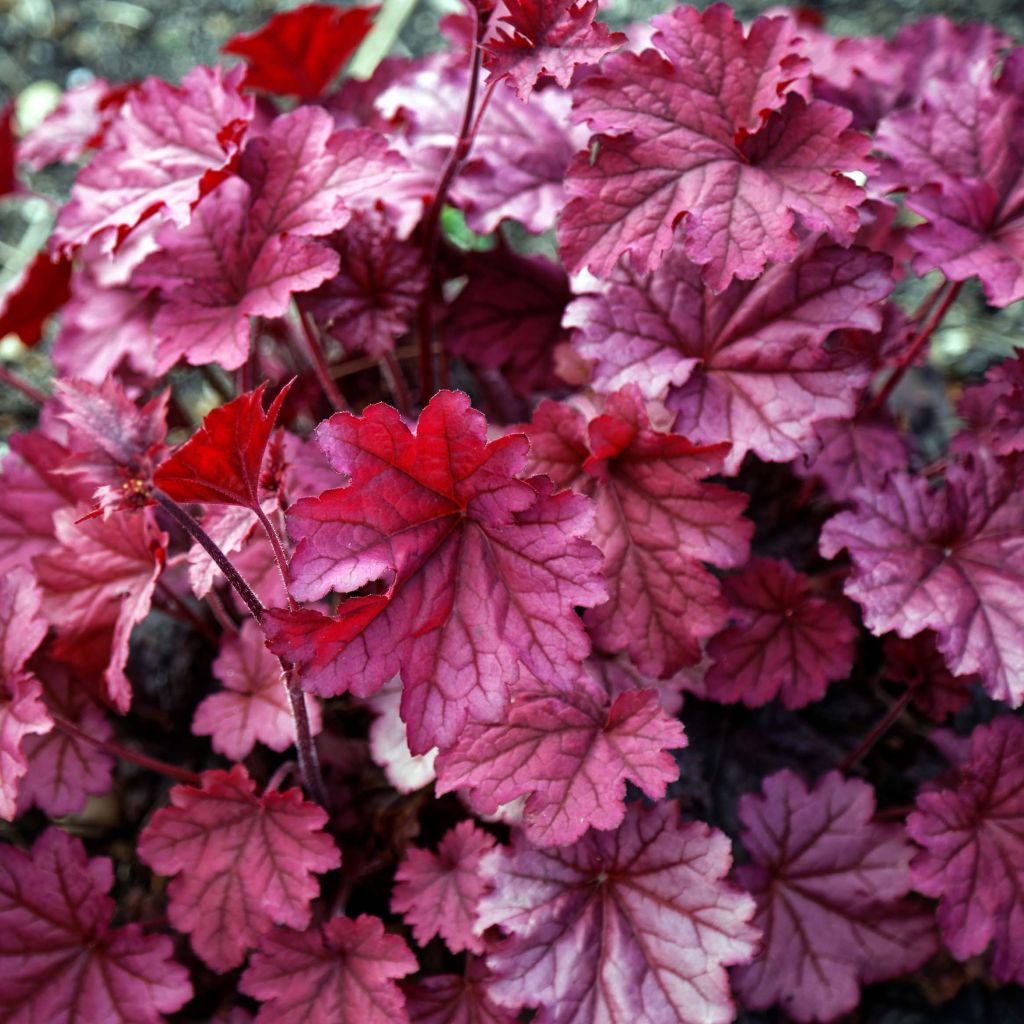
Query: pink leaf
{"x": 169, "y": 146}
{"x": 829, "y": 884}
{"x": 785, "y": 641}
{"x": 97, "y": 585}
{"x": 62, "y": 959}
{"x": 298, "y": 52}
{"x": 22, "y": 715}
{"x": 973, "y": 856}
{"x": 546, "y": 37}
{"x": 995, "y": 410}
{"x": 712, "y": 136}
{"x": 751, "y": 365}
{"x": 342, "y": 974}
{"x": 572, "y": 754}
{"x": 9, "y": 183}
{"x": 439, "y": 516}
{"x": 948, "y": 559}
{"x": 22, "y": 627}
{"x": 633, "y": 925}
{"x": 439, "y": 893}
{"x": 244, "y": 863}
{"x": 220, "y": 464}
{"x": 656, "y": 523}
{"x": 253, "y": 706}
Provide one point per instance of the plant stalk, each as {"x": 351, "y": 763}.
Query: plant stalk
{"x": 33, "y": 394}
{"x": 881, "y": 728}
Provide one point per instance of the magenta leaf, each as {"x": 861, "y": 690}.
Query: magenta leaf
{"x": 784, "y": 641}
{"x": 439, "y": 517}
{"x": 341, "y": 974}
{"x": 243, "y": 862}
{"x": 298, "y": 52}
{"x": 509, "y": 317}
{"x": 709, "y": 133}
{"x": 995, "y": 410}
{"x": 656, "y": 523}
{"x": 829, "y": 884}
{"x": 455, "y": 999}
{"x": 948, "y": 559}
{"x": 637, "y": 924}
{"x": 97, "y": 584}
{"x": 546, "y": 37}
{"x": 62, "y": 960}
{"x": 572, "y": 754}
{"x": 973, "y": 856}
{"x": 751, "y": 365}
{"x": 439, "y": 892}
{"x": 253, "y": 706}
{"x": 168, "y": 147}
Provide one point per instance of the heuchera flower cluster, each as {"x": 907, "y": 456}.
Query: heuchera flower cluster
{"x": 528, "y": 574}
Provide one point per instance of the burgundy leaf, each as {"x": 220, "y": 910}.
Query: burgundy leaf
{"x": 341, "y": 974}
{"x": 483, "y": 571}
{"x": 948, "y": 559}
{"x": 168, "y": 147}
{"x": 829, "y": 884}
{"x": 973, "y": 856}
{"x": 753, "y": 365}
{"x": 709, "y": 133}
{"x": 253, "y": 706}
{"x": 298, "y": 52}
{"x": 572, "y": 754}
{"x": 656, "y": 523}
{"x": 34, "y": 296}
{"x": 439, "y": 892}
{"x": 220, "y": 463}
{"x": 62, "y": 960}
{"x": 933, "y": 688}
{"x": 995, "y": 410}
{"x": 509, "y": 317}
{"x": 9, "y": 183}
{"x": 244, "y": 862}
{"x": 631, "y": 925}
{"x": 785, "y": 641}
{"x": 546, "y": 37}
{"x": 455, "y": 999}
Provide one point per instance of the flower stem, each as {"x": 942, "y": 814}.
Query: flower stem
{"x": 115, "y": 749}
{"x": 881, "y": 728}
{"x": 33, "y": 394}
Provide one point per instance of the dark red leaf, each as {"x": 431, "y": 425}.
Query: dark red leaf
{"x": 34, "y": 296}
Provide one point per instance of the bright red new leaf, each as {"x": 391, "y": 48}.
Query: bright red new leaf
{"x": 656, "y": 523}
{"x": 973, "y": 857}
{"x": 948, "y": 559}
{"x": 751, "y": 365}
{"x": 62, "y": 960}
{"x": 546, "y": 37}
{"x": 341, "y": 974}
{"x": 637, "y": 924}
{"x": 483, "y": 571}
{"x": 439, "y": 892}
{"x": 298, "y": 52}
{"x": 243, "y": 862}
{"x": 220, "y": 463}
{"x": 785, "y": 641}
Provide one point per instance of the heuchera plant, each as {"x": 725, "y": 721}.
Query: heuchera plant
{"x": 550, "y": 619}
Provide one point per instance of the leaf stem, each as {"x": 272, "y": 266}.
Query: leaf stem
{"x": 203, "y": 539}
{"x": 432, "y": 218}
{"x": 315, "y": 349}
{"x": 115, "y": 749}
{"x": 33, "y": 394}
{"x": 186, "y": 612}
{"x": 881, "y": 728}
{"x": 913, "y": 350}
{"x": 396, "y": 383}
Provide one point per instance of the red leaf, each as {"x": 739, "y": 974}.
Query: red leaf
{"x": 633, "y": 925}
{"x": 951, "y": 560}
{"x": 438, "y": 893}
{"x": 254, "y": 702}
{"x": 784, "y": 640}
{"x": 220, "y": 464}
{"x": 973, "y": 857}
{"x": 63, "y": 961}
{"x": 933, "y": 688}
{"x": 33, "y": 297}
{"x": 571, "y": 753}
{"x": 547, "y": 37}
{"x": 244, "y": 863}
{"x": 829, "y": 884}
{"x": 440, "y": 517}
{"x": 298, "y": 52}
{"x": 656, "y": 523}
{"x": 342, "y": 974}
